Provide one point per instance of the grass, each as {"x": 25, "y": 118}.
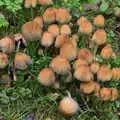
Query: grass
{"x": 27, "y": 98}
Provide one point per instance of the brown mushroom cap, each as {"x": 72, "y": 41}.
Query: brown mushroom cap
{"x": 116, "y": 73}
{"x": 47, "y": 39}
{"x": 104, "y": 73}
{"x": 7, "y": 45}
{"x": 94, "y": 67}
{"x": 99, "y": 21}
{"x": 54, "y": 29}
{"x": 45, "y": 2}
{"x": 46, "y": 77}
{"x": 29, "y": 3}
{"x": 69, "y": 51}
{"x": 60, "y": 65}
{"x": 81, "y": 20}
{"x": 21, "y": 61}
{"x": 65, "y": 29}
{"x": 114, "y": 94}
{"x": 68, "y": 106}
{"x": 63, "y": 15}
{"x": 99, "y": 37}
{"x": 3, "y": 60}
{"x": 83, "y": 74}
{"x": 39, "y": 20}
{"x": 86, "y": 54}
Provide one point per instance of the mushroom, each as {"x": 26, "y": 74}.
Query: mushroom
{"x": 45, "y": 2}
{"x": 114, "y": 94}
{"x": 107, "y": 52}
{"x": 39, "y": 20}
{"x": 116, "y": 73}
{"x": 99, "y": 21}
{"x": 83, "y": 73}
{"x": 54, "y": 29}
{"x": 46, "y": 77}
{"x": 74, "y": 39}
{"x": 104, "y": 73}
{"x": 81, "y": 20}
{"x": 99, "y": 37}
{"x": 94, "y": 67}
{"x": 29, "y": 3}
{"x": 65, "y": 29}
{"x": 60, "y": 40}
{"x": 49, "y": 16}
{"x": 60, "y": 65}
{"x": 63, "y": 15}
{"x": 47, "y": 39}
{"x": 3, "y": 60}
{"x": 90, "y": 87}
{"x": 78, "y": 63}
{"x": 86, "y": 54}
{"x": 69, "y": 51}
{"x": 68, "y": 106}
{"x": 21, "y": 61}
{"x": 7, "y": 45}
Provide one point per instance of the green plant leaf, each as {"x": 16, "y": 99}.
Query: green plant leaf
{"x": 93, "y": 1}
{"x": 3, "y": 21}
{"x": 104, "y": 6}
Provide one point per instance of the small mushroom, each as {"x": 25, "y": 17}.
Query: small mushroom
{"x": 30, "y": 3}
{"x": 60, "y": 65}
{"x": 21, "y": 61}
{"x": 114, "y": 94}
{"x": 63, "y": 15}
{"x": 99, "y": 21}
{"x": 45, "y": 2}
{"x": 99, "y": 37}
{"x": 3, "y": 60}
{"x": 81, "y": 20}
{"x": 65, "y": 29}
{"x": 104, "y": 73}
{"x": 46, "y": 77}
{"x": 47, "y": 39}
{"x": 94, "y": 67}
{"x": 7, "y": 45}
{"x": 39, "y": 20}
{"x": 116, "y": 73}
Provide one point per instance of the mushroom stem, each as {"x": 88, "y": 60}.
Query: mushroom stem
{"x": 68, "y": 93}
{"x": 18, "y": 46}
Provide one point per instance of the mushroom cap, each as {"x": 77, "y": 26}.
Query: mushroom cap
{"x": 63, "y": 15}
{"x": 31, "y": 31}
{"x": 69, "y": 51}
{"x": 54, "y": 29}
{"x": 60, "y": 40}
{"x": 89, "y": 87}
{"x": 21, "y": 61}
{"x": 99, "y": 37}
{"x": 86, "y": 54}
{"x": 49, "y": 16}
{"x": 68, "y": 106}
{"x": 114, "y": 93}
{"x": 60, "y": 65}
{"x": 94, "y": 67}
{"x": 39, "y": 20}
{"x": 86, "y": 27}
{"x": 47, "y": 39}
{"x": 7, "y": 45}
{"x": 65, "y": 29}
{"x": 81, "y": 20}
{"x": 83, "y": 73}
{"x": 99, "y": 21}
{"x": 104, "y": 73}
{"x": 116, "y": 73}
{"x": 107, "y": 52}
{"x": 29, "y": 3}
{"x": 45, "y": 2}
{"x": 46, "y": 77}
{"x": 78, "y": 63}
{"x": 3, "y": 60}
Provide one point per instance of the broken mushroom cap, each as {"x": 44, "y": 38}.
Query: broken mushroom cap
{"x": 86, "y": 54}
{"x": 60, "y": 65}
{"x": 68, "y": 106}
{"x": 81, "y": 20}
{"x": 45, "y": 2}
{"x": 7, "y": 45}
{"x": 29, "y": 3}
{"x": 47, "y": 39}
{"x": 69, "y": 51}
{"x": 83, "y": 73}
{"x": 114, "y": 94}
{"x": 90, "y": 87}
{"x": 65, "y": 29}
{"x": 116, "y": 73}
{"x": 99, "y": 37}
{"x": 3, "y": 60}
{"x": 46, "y": 77}
{"x": 39, "y": 20}
{"x": 60, "y": 40}
{"x": 78, "y": 63}
{"x": 63, "y": 15}
{"x": 104, "y": 73}
{"x": 54, "y": 29}
{"x": 49, "y": 16}
{"x": 21, "y": 61}
{"x": 99, "y": 21}
{"x": 94, "y": 67}
{"x": 31, "y": 31}
{"x": 107, "y": 52}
